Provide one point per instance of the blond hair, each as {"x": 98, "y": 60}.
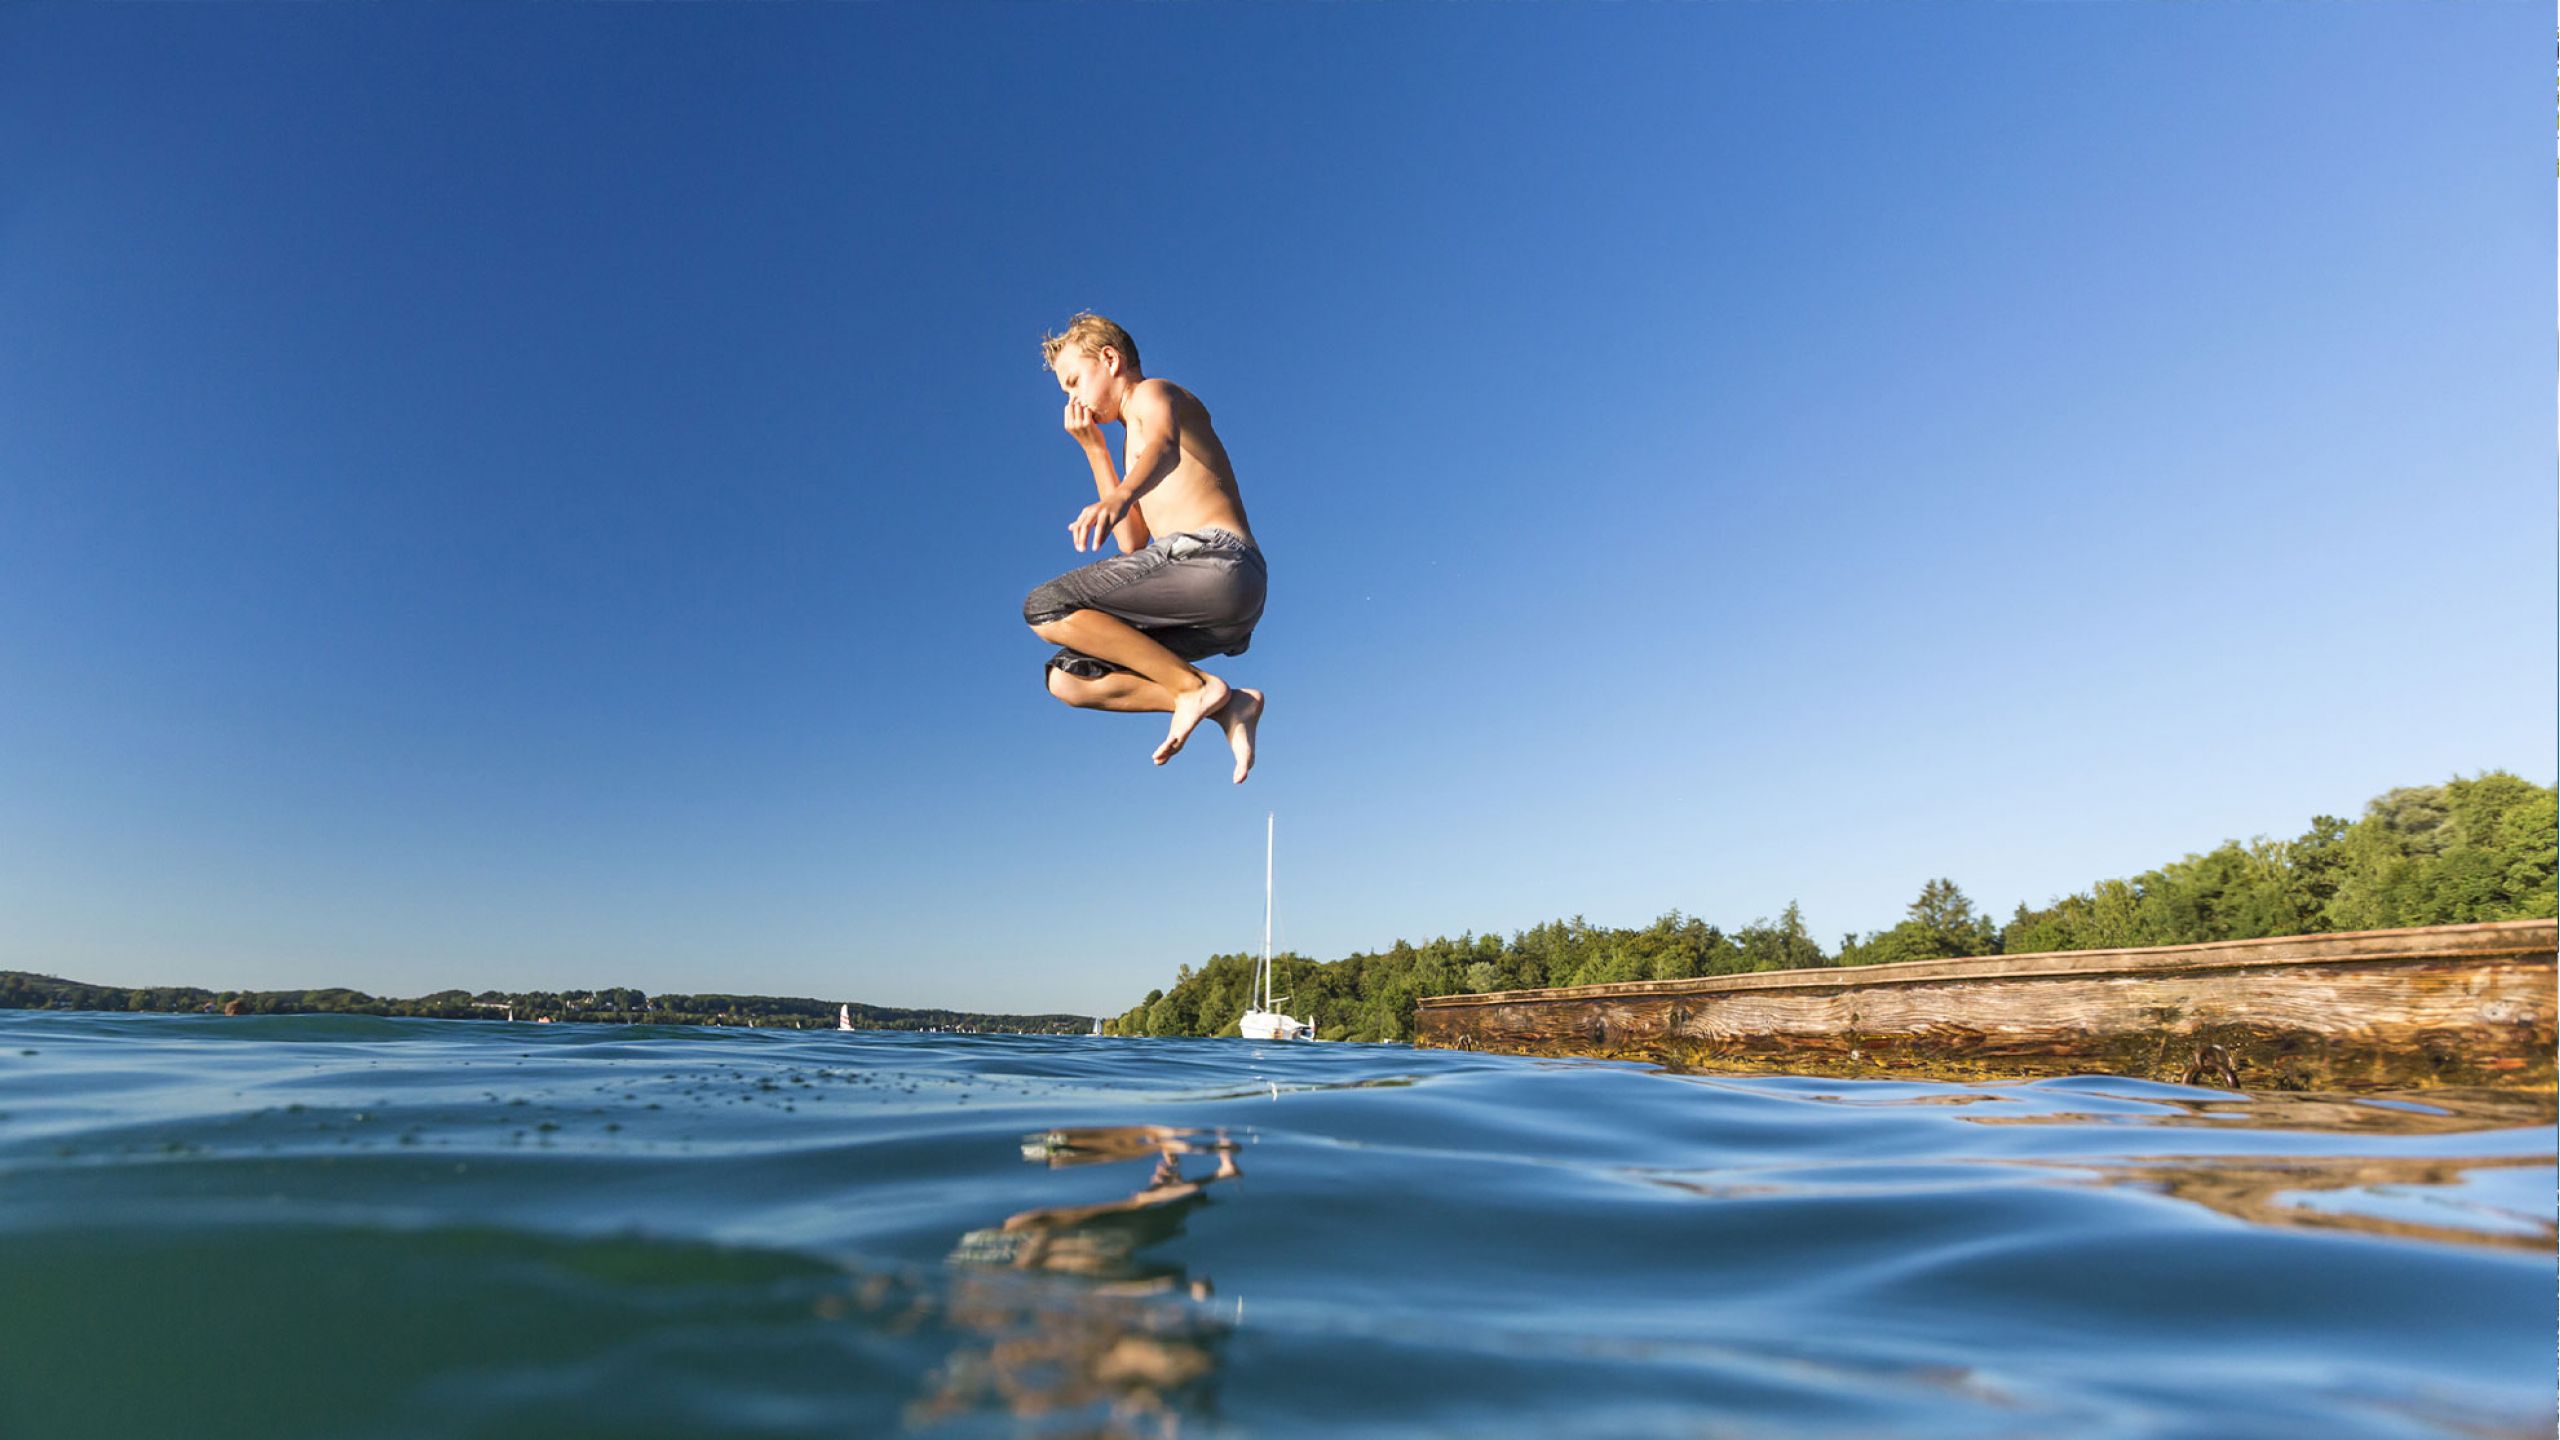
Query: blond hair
{"x": 1089, "y": 333}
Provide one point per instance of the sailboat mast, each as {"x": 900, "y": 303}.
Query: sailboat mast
{"x": 1267, "y": 825}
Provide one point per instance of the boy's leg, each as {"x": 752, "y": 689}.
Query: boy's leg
{"x": 1120, "y": 692}
{"x": 1124, "y": 693}
{"x": 1238, "y": 717}
{"x": 1196, "y": 693}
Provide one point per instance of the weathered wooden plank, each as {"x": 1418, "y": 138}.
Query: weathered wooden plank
{"x": 2459, "y": 1004}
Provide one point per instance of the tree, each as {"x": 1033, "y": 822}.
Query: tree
{"x": 1785, "y": 945}
{"x": 1940, "y": 924}
{"x": 2466, "y": 850}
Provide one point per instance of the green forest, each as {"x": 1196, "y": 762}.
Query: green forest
{"x": 2467, "y": 850}
{"x": 614, "y": 1005}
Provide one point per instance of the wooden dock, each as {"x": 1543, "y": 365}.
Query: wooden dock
{"x": 2370, "y": 1009}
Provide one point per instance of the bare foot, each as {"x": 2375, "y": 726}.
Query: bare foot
{"x": 1188, "y": 711}
{"x": 1243, "y": 712}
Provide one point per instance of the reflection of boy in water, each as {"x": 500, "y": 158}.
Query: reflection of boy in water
{"x": 1119, "y": 1347}
{"x": 1099, "y": 1239}
{"x": 1189, "y": 580}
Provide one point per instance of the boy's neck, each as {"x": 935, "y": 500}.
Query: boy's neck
{"x": 1121, "y": 385}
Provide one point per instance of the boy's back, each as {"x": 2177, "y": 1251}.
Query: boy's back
{"x": 1201, "y": 493}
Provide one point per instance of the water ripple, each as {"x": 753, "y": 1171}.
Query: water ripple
{"x": 356, "y": 1226}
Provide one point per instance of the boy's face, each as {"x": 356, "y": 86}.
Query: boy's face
{"x": 1091, "y": 377}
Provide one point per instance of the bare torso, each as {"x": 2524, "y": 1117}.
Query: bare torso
{"x": 1200, "y": 492}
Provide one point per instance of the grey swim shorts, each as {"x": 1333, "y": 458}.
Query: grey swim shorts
{"x": 1196, "y": 594}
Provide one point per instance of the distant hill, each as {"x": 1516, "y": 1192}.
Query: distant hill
{"x": 22, "y": 990}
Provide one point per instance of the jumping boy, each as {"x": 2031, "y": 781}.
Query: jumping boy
{"x": 1189, "y": 580}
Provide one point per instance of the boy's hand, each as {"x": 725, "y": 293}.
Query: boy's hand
{"x": 1095, "y": 523}
{"x": 1081, "y": 426}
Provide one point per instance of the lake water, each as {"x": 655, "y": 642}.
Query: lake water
{"x": 346, "y": 1226}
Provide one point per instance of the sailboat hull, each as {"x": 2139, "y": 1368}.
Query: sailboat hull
{"x": 1267, "y": 1025}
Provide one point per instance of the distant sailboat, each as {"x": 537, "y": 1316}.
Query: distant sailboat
{"x": 844, "y": 1017}
{"x": 1262, "y": 1018}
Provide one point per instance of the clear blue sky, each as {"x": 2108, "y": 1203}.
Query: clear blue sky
{"x": 541, "y": 497}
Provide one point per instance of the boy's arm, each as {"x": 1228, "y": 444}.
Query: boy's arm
{"x": 1148, "y": 414}
{"x": 1131, "y": 531}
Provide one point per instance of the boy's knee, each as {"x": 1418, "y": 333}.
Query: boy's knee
{"x": 1045, "y": 605}
{"x": 1063, "y": 685}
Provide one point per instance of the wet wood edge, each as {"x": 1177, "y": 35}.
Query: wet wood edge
{"x": 2444, "y": 1005}
{"x": 2501, "y": 939}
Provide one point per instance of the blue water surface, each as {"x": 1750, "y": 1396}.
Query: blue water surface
{"x": 350, "y": 1226}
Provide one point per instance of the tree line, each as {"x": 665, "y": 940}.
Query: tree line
{"x": 614, "y": 1005}
{"x": 2468, "y": 850}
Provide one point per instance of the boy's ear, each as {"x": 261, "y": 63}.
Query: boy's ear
{"x": 1111, "y": 359}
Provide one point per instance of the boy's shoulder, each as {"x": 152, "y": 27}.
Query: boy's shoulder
{"x": 1167, "y": 392}
{"x": 1164, "y": 398}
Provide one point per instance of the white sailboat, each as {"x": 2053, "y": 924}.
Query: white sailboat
{"x": 1262, "y": 1017}
{"x": 844, "y": 1017}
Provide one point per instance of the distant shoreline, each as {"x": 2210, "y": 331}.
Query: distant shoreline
{"x": 617, "y": 1005}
